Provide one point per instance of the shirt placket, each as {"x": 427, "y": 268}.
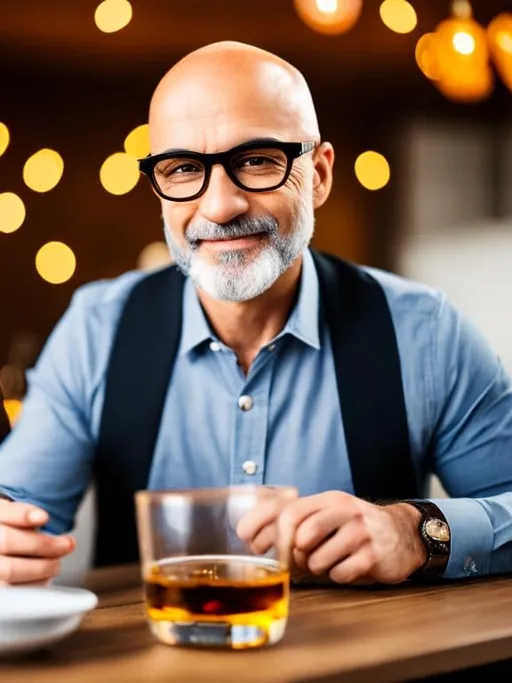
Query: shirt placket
{"x": 250, "y": 426}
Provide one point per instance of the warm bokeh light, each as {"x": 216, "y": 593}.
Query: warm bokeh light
{"x": 113, "y": 15}
{"x": 426, "y": 57}
{"x": 464, "y": 43}
{"x": 137, "y": 142}
{"x": 463, "y": 59}
{"x": 469, "y": 86}
{"x": 330, "y": 17}
{"x": 398, "y": 15}
{"x": 119, "y": 173}
{"x": 55, "y": 263}
{"x": 372, "y": 170}
{"x": 504, "y": 42}
{"x": 12, "y": 212}
{"x": 13, "y": 409}
{"x": 4, "y": 138}
{"x": 43, "y": 170}
{"x": 154, "y": 255}
{"x": 499, "y": 33}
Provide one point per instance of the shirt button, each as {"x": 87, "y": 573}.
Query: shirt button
{"x": 249, "y": 467}
{"x": 245, "y": 403}
{"x": 214, "y": 346}
{"x": 271, "y": 347}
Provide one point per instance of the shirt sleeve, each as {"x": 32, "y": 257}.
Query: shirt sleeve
{"x": 472, "y": 446}
{"x": 47, "y": 458}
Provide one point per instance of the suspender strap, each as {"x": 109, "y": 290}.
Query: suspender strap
{"x": 369, "y": 380}
{"x": 138, "y": 376}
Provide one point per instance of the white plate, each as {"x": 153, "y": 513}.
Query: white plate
{"x": 32, "y": 618}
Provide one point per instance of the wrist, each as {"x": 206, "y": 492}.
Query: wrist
{"x": 409, "y": 519}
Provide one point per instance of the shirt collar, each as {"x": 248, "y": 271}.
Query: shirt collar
{"x": 196, "y": 329}
{"x": 303, "y": 322}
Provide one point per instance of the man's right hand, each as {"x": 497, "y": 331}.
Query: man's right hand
{"x": 26, "y": 554}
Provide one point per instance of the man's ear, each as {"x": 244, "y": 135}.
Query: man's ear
{"x": 322, "y": 178}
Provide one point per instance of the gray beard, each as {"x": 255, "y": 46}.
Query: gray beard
{"x": 242, "y": 274}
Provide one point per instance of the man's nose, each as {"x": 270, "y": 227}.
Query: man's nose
{"x": 223, "y": 201}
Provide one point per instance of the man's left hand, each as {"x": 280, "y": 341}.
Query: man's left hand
{"x": 349, "y": 539}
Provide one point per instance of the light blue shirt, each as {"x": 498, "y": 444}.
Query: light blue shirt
{"x": 458, "y": 399}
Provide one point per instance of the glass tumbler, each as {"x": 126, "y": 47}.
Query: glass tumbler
{"x": 203, "y": 584}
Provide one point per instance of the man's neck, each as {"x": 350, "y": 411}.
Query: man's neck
{"x": 246, "y": 326}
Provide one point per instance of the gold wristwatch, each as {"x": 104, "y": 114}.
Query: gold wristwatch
{"x": 435, "y": 534}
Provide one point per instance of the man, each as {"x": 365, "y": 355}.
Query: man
{"x": 286, "y": 367}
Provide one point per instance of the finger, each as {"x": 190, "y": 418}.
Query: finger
{"x": 355, "y": 567}
{"x": 22, "y": 515}
{"x": 254, "y": 521}
{"x": 16, "y": 570}
{"x": 316, "y": 528}
{"x": 20, "y": 542}
{"x": 296, "y": 513}
{"x": 265, "y": 540}
{"x": 31, "y": 584}
{"x": 345, "y": 542}
{"x": 300, "y": 560}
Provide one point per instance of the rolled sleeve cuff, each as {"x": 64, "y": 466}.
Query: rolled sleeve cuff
{"x": 472, "y": 537}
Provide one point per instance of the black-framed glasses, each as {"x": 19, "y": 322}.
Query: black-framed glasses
{"x": 256, "y": 166}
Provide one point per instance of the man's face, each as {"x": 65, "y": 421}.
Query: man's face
{"x": 235, "y": 243}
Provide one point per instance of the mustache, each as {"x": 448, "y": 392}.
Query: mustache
{"x": 240, "y": 227}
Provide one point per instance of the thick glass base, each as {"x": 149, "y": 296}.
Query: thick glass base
{"x": 218, "y": 634}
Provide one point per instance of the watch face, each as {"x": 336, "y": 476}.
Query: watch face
{"x": 438, "y": 530}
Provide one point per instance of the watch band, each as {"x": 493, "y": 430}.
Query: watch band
{"x": 438, "y": 550}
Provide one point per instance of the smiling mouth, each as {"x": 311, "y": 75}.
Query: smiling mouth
{"x": 234, "y": 242}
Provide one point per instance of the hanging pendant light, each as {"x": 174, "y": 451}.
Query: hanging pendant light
{"x": 330, "y": 17}
{"x": 457, "y": 56}
{"x": 499, "y": 33}
{"x": 426, "y": 56}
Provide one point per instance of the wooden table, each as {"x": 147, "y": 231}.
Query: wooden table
{"x": 335, "y": 634}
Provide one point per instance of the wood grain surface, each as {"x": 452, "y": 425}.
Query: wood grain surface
{"x": 377, "y": 635}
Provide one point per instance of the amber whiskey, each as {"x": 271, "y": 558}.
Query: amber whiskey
{"x": 239, "y": 601}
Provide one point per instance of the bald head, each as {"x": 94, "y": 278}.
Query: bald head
{"x": 227, "y": 93}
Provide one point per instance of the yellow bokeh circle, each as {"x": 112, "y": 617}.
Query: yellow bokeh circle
{"x": 398, "y": 15}
{"x": 372, "y": 170}
{"x": 56, "y": 263}
{"x": 43, "y": 170}
{"x": 113, "y": 15}
{"x": 4, "y": 138}
{"x": 12, "y": 212}
{"x": 119, "y": 173}
{"x": 137, "y": 142}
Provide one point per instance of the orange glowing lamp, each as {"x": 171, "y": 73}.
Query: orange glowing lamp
{"x": 467, "y": 86}
{"x": 456, "y": 57}
{"x": 330, "y": 17}
{"x": 499, "y": 33}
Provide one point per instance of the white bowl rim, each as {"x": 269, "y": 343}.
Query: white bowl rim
{"x": 34, "y": 603}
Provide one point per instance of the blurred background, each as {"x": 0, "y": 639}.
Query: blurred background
{"x": 415, "y": 96}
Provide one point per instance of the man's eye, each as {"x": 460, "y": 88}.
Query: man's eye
{"x": 186, "y": 168}
{"x": 255, "y": 161}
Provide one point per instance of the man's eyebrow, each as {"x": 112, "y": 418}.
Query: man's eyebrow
{"x": 252, "y": 141}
